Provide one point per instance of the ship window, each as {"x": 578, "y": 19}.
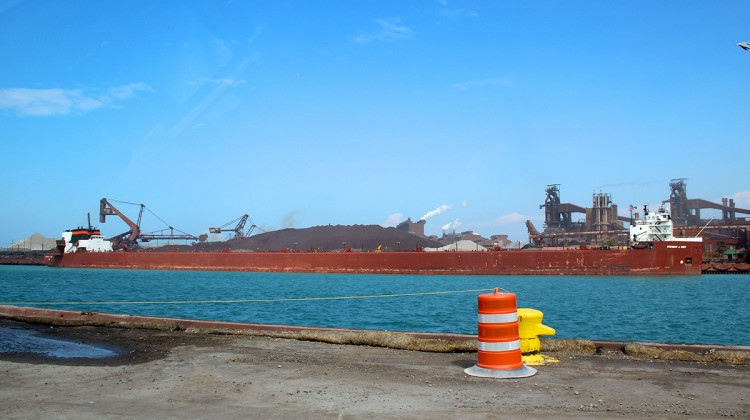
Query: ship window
{"x": 688, "y": 260}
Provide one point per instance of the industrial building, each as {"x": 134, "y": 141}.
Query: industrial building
{"x": 724, "y": 238}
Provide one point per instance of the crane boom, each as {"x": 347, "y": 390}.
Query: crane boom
{"x": 238, "y": 229}
{"x": 130, "y": 238}
{"x": 107, "y": 209}
{"x": 534, "y": 236}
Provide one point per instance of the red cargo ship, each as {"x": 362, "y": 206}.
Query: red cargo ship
{"x": 653, "y": 258}
{"x": 654, "y": 251}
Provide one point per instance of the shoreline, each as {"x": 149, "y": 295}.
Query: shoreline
{"x": 405, "y": 340}
{"x": 167, "y": 373}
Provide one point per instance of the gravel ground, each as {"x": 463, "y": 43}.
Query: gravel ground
{"x": 165, "y": 374}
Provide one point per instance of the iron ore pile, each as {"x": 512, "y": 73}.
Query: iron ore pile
{"x": 319, "y": 238}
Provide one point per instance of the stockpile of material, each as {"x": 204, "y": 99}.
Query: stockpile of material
{"x": 323, "y": 238}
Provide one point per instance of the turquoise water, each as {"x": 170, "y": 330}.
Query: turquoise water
{"x": 709, "y": 309}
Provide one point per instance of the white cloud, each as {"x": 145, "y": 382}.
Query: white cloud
{"x": 390, "y": 30}
{"x": 457, "y": 13}
{"x": 128, "y": 91}
{"x": 210, "y": 97}
{"x": 45, "y": 102}
{"x": 742, "y": 199}
{"x": 490, "y": 82}
{"x": 223, "y": 82}
{"x": 507, "y": 219}
{"x": 393, "y": 220}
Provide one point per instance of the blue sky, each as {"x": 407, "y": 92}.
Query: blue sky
{"x": 365, "y": 112}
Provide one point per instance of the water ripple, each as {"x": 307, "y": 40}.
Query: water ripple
{"x": 709, "y": 309}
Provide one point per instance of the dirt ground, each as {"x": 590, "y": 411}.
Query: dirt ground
{"x": 166, "y": 374}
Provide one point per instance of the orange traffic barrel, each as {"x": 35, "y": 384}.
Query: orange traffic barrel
{"x": 499, "y": 346}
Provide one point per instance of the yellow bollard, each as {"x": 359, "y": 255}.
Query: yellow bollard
{"x": 529, "y": 329}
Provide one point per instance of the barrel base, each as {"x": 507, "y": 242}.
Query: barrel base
{"x": 522, "y": 372}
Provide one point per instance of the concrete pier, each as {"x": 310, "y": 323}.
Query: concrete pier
{"x": 188, "y": 373}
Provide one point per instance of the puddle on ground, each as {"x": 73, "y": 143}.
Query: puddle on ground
{"x": 31, "y": 340}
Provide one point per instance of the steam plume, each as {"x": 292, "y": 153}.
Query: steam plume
{"x": 440, "y": 210}
{"x": 451, "y": 226}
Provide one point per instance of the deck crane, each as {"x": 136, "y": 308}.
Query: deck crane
{"x": 238, "y": 230}
{"x": 123, "y": 240}
{"x": 129, "y": 239}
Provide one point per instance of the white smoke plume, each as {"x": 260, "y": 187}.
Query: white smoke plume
{"x": 440, "y": 210}
{"x": 451, "y": 226}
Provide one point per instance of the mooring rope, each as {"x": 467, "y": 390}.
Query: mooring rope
{"x": 247, "y": 300}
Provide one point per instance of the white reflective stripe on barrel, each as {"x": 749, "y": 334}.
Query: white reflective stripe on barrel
{"x": 501, "y": 346}
{"x": 498, "y": 318}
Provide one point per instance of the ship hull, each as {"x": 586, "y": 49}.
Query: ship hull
{"x": 661, "y": 258}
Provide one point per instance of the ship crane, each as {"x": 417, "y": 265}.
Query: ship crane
{"x": 129, "y": 239}
{"x": 167, "y": 234}
{"x": 238, "y": 230}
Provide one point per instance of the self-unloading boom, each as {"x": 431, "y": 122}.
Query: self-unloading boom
{"x": 130, "y": 238}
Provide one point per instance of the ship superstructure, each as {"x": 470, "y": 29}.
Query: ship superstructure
{"x": 656, "y": 227}
{"x": 84, "y": 239}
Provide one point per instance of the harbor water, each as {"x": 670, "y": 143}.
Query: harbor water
{"x": 708, "y": 309}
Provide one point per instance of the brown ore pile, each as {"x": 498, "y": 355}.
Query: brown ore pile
{"x": 320, "y": 238}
